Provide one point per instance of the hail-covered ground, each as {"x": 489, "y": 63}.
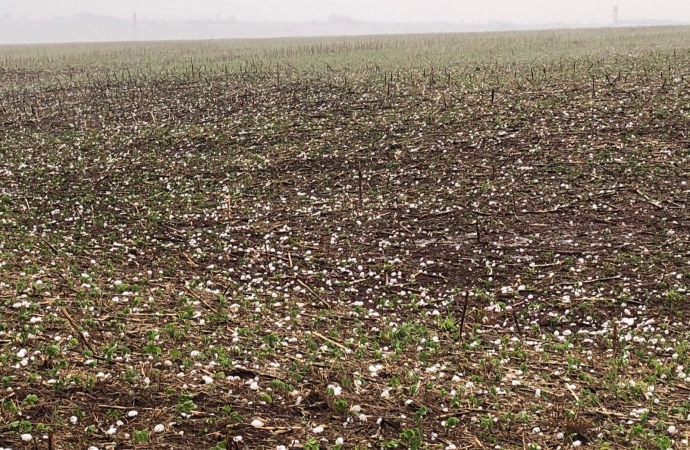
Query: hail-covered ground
{"x": 489, "y": 255}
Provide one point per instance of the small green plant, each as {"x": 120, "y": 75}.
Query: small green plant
{"x": 140, "y": 436}
{"x": 311, "y": 444}
{"x": 452, "y": 422}
{"x": 185, "y": 404}
{"x": 29, "y": 401}
{"x": 340, "y": 405}
{"x": 21, "y": 426}
{"x": 233, "y": 416}
{"x": 412, "y": 438}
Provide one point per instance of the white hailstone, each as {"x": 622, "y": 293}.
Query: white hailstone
{"x": 159, "y": 428}
{"x": 577, "y": 443}
{"x": 21, "y": 353}
{"x": 207, "y": 379}
{"x": 111, "y": 430}
{"x": 451, "y": 447}
{"x": 672, "y": 430}
{"x": 650, "y": 389}
{"x": 560, "y": 435}
{"x": 339, "y": 441}
{"x": 256, "y": 423}
{"x": 363, "y": 417}
{"x": 26, "y": 437}
{"x": 455, "y": 378}
{"x": 237, "y": 439}
{"x": 337, "y": 390}
{"x": 194, "y": 353}
{"x": 92, "y": 447}
{"x": 73, "y": 420}
{"x": 132, "y": 413}
{"x": 537, "y": 393}
{"x": 281, "y": 447}
{"x": 317, "y": 430}
{"x": 355, "y": 408}
{"x": 536, "y": 430}
{"x": 254, "y": 386}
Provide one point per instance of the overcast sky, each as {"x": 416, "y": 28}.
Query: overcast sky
{"x": 461, "y": 11}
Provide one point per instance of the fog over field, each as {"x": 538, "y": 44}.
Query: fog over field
{"x": 27, "y": 21}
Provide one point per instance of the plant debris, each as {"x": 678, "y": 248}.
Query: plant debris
{"x": 443, "y": 242}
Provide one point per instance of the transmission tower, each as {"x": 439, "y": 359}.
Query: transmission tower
{"x": 135, "y": 29}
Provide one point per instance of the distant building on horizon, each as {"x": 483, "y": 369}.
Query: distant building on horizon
{"x": 135, "y": 29}
{"x": 615, "y": 16}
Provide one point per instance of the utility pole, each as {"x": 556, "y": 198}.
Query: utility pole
{"x": 615, "y": 16}
{"x": 135, "y": 29}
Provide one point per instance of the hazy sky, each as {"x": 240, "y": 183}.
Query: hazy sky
{"x": 467, "y": 11}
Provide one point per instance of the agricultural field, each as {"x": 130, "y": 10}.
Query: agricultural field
{"x": 473, "y": 241}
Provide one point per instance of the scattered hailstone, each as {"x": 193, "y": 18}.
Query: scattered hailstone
{"x": 256, "y": 423}
{"x": 577, "y": 443}
{"x": 254, "y": 386}
{"x": 672, "y": 430}
{"x": 73, "y": 420}
{"x": 207, "y": 379}
{"x": 159, "y": 428}
{"x": 318, "y": 430}
{"x": 132, "y": 414}
{"x": 339, "y": 441}
{"x": 281, "y": 447}
{"x": 26, "y": 437}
